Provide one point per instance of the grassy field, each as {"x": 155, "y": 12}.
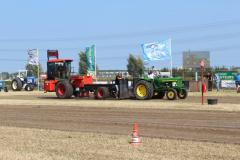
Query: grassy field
{"x": 29, "y": 144}
{"x": 41, "y": 99}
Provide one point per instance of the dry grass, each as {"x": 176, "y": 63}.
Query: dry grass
{"x": 222, "y": 93}
{"x": 28, "y": 144}
{"x": 156, "y": 104}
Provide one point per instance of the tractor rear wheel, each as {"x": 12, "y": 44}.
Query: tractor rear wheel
{"x": 159, "y": 95}
{"x": 64, "y": 89}
{"x": 182, "y": 94}
{"x": 16, "y": 84}
{"x": 101, "y": 93}
{"x": 143, "y": 90}
{"x": 171, "y": 94}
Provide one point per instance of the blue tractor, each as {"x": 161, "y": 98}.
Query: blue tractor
{"x": 22, "y": 81}
{"x": 3, "y": 86}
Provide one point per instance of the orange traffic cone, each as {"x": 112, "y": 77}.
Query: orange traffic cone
{"x": 135, "y": 140}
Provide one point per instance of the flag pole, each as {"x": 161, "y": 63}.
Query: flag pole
{"x": 95, "y": 53}
{"x": 171, "y": 64}
{"x": 38, "y": 70}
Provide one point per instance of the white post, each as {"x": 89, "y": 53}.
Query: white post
{"x": 196, "y": 76}
{"x": 38, "y": 70}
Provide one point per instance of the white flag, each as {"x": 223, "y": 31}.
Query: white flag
{"x": 33, "y": 57}
{"x": 157, "y": 50}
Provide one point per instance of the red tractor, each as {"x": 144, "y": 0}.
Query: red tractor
{"x": 60, "y": 80}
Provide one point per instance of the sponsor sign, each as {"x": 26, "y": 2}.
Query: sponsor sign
{"x": 228, "y": 75}
{"x": 228, "y": 84}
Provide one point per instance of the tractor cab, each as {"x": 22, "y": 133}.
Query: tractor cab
{"x": 58, "y": 68}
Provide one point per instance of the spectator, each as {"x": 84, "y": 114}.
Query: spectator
{"x": 210, "y": 82}
{"x": 117, "y": 83}
{"x": 237, "y": 81}
{"x": 217, "y": 81}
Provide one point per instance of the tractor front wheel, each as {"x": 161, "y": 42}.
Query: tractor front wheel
{"x": 143, "y": 90}
{"x": 29, "y": 87}
{"x": 171, "y": 94}
{"x": 64, "y": 90}
{"x": 182, "y": 94}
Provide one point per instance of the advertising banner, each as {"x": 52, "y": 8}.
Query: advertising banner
{"x": 90, "y": 53}
{"x": 227, "y": 79}
{"x": 228, "y": 75}
{"x": 228, "y": 84}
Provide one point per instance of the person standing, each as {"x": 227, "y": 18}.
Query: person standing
{"x": 217, "y": 81}
{"x": 117, "y": 83}
{"x": 237, "y": 81}
{"x": 210, "y": 82}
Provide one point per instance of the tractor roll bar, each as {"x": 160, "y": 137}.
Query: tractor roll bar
{"x": 52, "y": 53}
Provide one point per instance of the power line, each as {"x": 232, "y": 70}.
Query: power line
{"x": 180, "y": 29}
{"x": 215, "y": 49}
{"x": 215, "y": 37}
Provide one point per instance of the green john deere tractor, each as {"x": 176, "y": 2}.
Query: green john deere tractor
{"x": 157, "y": 88}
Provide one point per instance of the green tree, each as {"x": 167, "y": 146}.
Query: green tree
{"x": 135, "y": 66}
{"x": 82, "y": 63}
{"x": 33, "y": 70}
{"x": 4, "y": 75}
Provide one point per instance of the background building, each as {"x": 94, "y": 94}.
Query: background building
{"x": 191, "y": 59}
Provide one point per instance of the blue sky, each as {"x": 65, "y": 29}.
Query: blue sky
{"x": 118, "y": 28}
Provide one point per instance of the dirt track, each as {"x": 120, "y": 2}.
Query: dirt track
{"x": 213, "y": 126}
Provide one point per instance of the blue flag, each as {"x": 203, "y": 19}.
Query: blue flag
{"x": 157, "y": 50}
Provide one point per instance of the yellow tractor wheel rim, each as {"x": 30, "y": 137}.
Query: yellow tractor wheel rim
{"x": 141, "y": 90}
{"x": 170, "y": 94}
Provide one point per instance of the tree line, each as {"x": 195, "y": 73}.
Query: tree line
{"x": 135, "y": 67}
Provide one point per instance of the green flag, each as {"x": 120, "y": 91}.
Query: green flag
{"x": 90, "y": 53}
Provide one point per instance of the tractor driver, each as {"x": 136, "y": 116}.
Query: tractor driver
{"x": 117, "y": 83}
{"x": 151, "y": 74}
{"x": 62, "y": 69}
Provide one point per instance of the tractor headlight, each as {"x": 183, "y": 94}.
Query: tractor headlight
{"x": 174, "y": 84}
